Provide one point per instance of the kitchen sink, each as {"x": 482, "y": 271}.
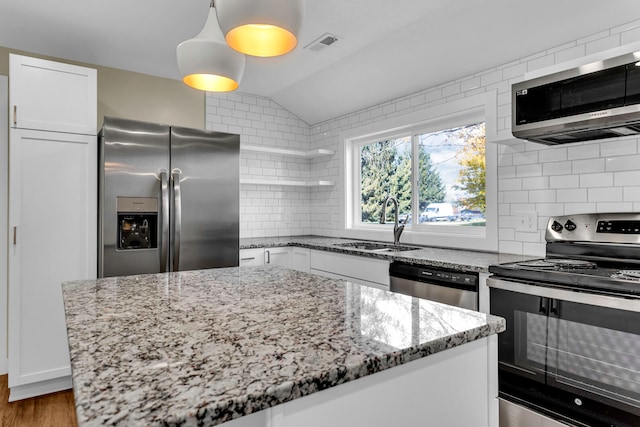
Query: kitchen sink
{"x": 376, "y": 247}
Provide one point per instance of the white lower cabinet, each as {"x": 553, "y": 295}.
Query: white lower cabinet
{"x": 357, "y": 269}
{"x": 300, "y": 259}
{"x": 249, "y": 257}
{"x": 278, "y": 256}
{"x": 52, "y": 239}
{"x": 287, "y": 256}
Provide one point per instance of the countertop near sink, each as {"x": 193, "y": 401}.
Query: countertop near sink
{"x": 457, "y": 259}
{"x": 207, "y": 346}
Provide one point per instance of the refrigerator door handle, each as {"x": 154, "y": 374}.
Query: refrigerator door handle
{"x": 164, "y": 200}
{"x": 177, "y": 215}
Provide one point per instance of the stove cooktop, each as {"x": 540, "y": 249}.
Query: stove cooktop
{"x": 576, "y": 274}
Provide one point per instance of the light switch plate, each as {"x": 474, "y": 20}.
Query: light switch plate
{"x": 527, "y": 221}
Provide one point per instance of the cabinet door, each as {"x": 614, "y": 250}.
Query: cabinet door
{"x": 47, "y": 95}
{"x": 278, "y": 256}
{"x": 300, "y": 259}
{"x": 250, "y": 257}
{"x": 52, "y": 239}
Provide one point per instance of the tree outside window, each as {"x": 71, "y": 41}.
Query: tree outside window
{"x": 450, "y": 179}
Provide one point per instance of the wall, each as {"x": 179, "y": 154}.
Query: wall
{"x": 585, "y": 177}
{"x": 4, "y": 210}
{"x": 265, "y": 210}
{"x": 136, "y": 96}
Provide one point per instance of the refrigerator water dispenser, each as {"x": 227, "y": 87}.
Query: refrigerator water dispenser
{"x": 137, "y": 223}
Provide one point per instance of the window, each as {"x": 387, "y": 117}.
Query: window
{"x": 436, "y": 169}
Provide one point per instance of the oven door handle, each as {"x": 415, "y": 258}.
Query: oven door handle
{"x": 542, "y": 307}
{"x": 619, "y": 303}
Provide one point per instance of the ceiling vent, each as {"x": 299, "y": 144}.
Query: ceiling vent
{"x": 322, "y": 42}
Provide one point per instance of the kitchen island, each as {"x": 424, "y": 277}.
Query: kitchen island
{"x": 268, "y": 346}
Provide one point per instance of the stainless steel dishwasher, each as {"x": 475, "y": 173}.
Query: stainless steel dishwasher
{"x": 448, "y": 286}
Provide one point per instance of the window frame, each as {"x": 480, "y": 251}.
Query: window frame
{"x": 474, "y": 109}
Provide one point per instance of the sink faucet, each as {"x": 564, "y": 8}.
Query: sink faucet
{"x": 397, "y": 229}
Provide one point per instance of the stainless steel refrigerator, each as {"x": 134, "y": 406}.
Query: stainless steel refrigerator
{"x": 168, "y": 198}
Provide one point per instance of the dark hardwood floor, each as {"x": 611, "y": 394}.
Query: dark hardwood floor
{"x": 51, "y": 410}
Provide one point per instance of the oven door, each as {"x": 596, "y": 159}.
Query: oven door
{"x": 522, "y": 348}
{"x": 596, "y": 350}
{"x": 572, "y": 355}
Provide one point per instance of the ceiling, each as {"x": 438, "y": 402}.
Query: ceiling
{"x": 386, "y": 49}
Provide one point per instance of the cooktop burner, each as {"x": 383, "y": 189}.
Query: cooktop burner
{"x": 627, "y": 275}
{"x": 604, "y": 277}
{"x": 558, "y": 263}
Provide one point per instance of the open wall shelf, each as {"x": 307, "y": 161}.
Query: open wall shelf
{"x": 306, "y": 154}
{"x": 287, "y": 183}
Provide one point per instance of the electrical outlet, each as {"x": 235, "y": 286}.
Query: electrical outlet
{"x": 527, "y": 221}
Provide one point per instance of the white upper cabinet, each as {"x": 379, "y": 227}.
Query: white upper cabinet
{"x": 47, "y": 95}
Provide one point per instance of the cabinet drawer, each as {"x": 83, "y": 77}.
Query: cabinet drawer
{"x": 357, "y": 267}
{"x": 251, "y": 257}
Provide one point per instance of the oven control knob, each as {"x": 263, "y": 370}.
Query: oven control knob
{"x": 557, "y": 227}
{"x": 570, "y": 225}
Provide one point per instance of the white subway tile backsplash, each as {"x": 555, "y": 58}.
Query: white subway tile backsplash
{"x": 569, "y": 54}
{"x": 572, "y": 195}
{"x": 510, "y": 184}
{"x": 604, "y": 43}
{"x": 535, "y": 183}
{"x": 529, "y": 170}
{"x": 506, "y": 171}
{"x": 613, "y": 207}
{"x": 552, "y": 154}
{"x": 542, "y": 196}
{"x": 626, "y": 178}
{"x": 515, "y": 197}
{"x": 609, "y": 194}
{"x": 631, "y": 194}
{"x": 624, "y": 163}
{"x": 564, "y": 181}
{"x": 583, "y": 151}
{"x": 575, "y": 208}
{"x": 596, "y": 180}
{"x": 526, "y": 158}
{"x": 621, "y": 147}
{"x": 540, "y": 62}
{"x": 588, "y": 166}
{"x": 556, "y": 168}
{"x": 573, "y": 178}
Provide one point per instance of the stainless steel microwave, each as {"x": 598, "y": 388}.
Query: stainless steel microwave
{"x": 595, "y": 101}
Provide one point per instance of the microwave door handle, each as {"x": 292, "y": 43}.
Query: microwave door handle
{"x": 164, "y": 236}
{"x": 177, "y": 215}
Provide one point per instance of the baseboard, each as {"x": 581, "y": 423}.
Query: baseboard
{"x": 38, "y": 389}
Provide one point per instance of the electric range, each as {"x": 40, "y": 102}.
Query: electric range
{"x": 571, "y": 350}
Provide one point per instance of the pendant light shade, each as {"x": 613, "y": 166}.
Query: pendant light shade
{"x": 207, "y": 63}
{"x": 261, "y": 27}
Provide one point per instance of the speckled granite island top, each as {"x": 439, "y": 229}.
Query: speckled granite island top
{"x": 204, "y": 347}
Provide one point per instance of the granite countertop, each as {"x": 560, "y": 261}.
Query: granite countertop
{"x": 207, "y": 346}
{"x": 457, "y": 259}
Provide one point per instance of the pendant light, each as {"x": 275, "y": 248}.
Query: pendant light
{"x": 261, "y": 27}
{"x": 206, "y": 62}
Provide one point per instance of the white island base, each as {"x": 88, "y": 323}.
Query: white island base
{"x": 457, "y": 387}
